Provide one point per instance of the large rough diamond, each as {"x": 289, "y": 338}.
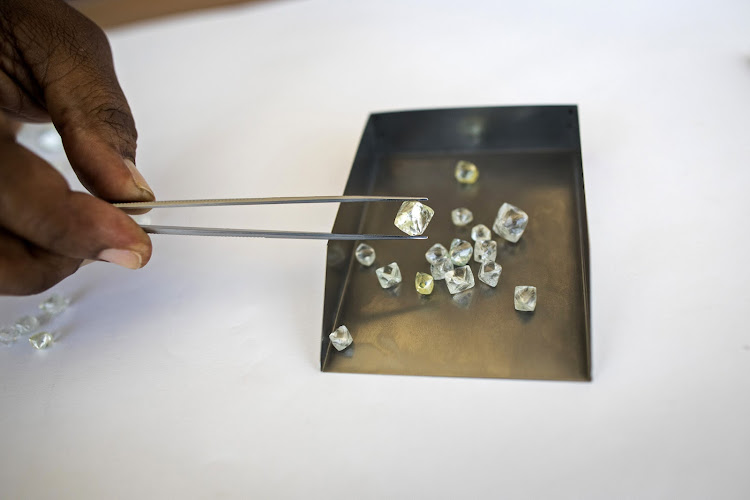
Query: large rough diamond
{"x": 510, "y": 222}
{"x": 466, "y": 172}
{"x": 489, "y": 272}
{"x": 524, "y": 299}
{"x": 461, "y": 252}
{"x": 480, "y": 232}
{"x": 341, "y": 338}
{"x": 41, "y": 340}
{"x": 389, "y": 276}
{"x": 413, "y": 217}
{"x": 435, "y": 253}
{"x": 365, "y": 254}
{"x": 460, "y": 279}
{"x": 461, "y": 216}
{"x": 485, "y": 250}
{"x": 440, "y": 267}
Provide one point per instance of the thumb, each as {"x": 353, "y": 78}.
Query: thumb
{"x": 71, "y": 61}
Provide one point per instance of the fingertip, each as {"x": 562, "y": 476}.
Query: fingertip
{"x": 139, "y": 181}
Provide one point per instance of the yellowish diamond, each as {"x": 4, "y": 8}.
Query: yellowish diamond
{"x": 424, "y": 283}
{"x": 41, "y": 340}
{"x": 466, "y": 172}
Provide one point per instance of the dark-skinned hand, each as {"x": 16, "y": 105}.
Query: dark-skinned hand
{"x": 56, "y": 65}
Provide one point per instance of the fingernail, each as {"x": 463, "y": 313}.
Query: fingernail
{"x": 138, "y": 179}
{"x": 124, "y": 258}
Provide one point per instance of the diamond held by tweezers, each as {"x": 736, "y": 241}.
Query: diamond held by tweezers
{"x": 413, "y": 217}
{"x": 524, "y": 298}
{"x": 365, "y": 254}
{"x": 389, "y": 276}
{"x": 511, "y": 222}
{"x": 460, "y": 279}
{"x": 341, "y": 338}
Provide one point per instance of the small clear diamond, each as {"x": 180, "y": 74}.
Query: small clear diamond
{"x": 435, "y": 253}
{"x": 489, "y": 272}
{"x": 440, "y": 267}
{"x": 460, "y": 279}
{"x": 460, "y": 252}
{"x": 341, "y": 338}
{"x": 55, "y": 304}
{"x": 41, "y": 340}
{"x": 365, "y": 254}
{"x": 413, "y": 217}
{"x": 524, "y": 298}
{"x": 485, "y": 250}
{"x": 9, "y": 334}
{"x": 466, "y": 172}
{"x": 511, "y": 222}
{"x": 27, "y": 325}
{"x": 480, "y": 232}
{"x": 461, "y": 216}
{"x": 424, "y": 283}
{"x": 389, "y": 276}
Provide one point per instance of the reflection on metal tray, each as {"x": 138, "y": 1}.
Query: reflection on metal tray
{"x": 529, "y": 156}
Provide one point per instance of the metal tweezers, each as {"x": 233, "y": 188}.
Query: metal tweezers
{"x": 262, "y": 233}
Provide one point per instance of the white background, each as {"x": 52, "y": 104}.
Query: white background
{"x": 198, "y": 376}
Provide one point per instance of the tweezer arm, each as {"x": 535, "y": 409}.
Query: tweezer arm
{"x": 264, "y": 201}
{"x": 254, "y": 233}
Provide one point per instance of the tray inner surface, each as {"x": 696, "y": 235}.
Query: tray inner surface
{"x": 476, "y": 333}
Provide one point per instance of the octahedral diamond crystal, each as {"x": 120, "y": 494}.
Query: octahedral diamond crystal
{"x": 341, "y": 338}
{"x": 41, "y": 340}
{"x": 489, "y": 272}
{"x": 435, "y": 253}
{"x": 510, "y": 223}
{"x": 27, "y": 325}
{"x": 460, "y": 279}
{"x": 466, "y": 172}
{"x": 413, "y": 217}
{"x": 440, "y": 267}
{"x": 9, "y": 334}
{"x": 480, "y": 232}
{"x": 460, "y": 252}
{"x": 485, "y": 250}
{"x": 461, "y": 216}
{"x": 424, "y": 283}
{"x": 389, "y": 276}
{"x": 524, "y": 298}
{"x": 55, "y": 304}
{"x": 365, "y": 254}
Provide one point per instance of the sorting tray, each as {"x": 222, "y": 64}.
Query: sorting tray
{"x": 528, "y": 156}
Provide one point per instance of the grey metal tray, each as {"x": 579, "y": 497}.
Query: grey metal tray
{"x": 529, "y": 156}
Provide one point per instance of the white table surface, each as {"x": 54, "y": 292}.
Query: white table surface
{"x": 198, "y": 376}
